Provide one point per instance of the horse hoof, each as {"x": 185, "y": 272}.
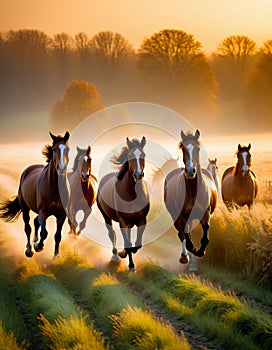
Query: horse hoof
{"x": 38, "y": 248}
{"x": 135, "y": 249}
{"x": 29, "y": 253}
{"x": 115, "y": 258}
{"x": 132, "y": 269}
{"x": 122, "y": 254}
{"x": 183, "y": 259}
{"x": 199, "y": 253}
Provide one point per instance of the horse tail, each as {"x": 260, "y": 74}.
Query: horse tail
{"x": 10, "y": 210}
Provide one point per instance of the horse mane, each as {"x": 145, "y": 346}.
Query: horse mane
{"x": 76, "y": 161}
{"x": 121, "y": 161}
{"x": 189, "y": 136}
{"x": 47, "y": 152}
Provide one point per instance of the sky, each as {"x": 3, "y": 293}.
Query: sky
{"x": 210, "y": 21}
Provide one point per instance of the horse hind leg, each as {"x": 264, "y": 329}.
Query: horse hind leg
{"x": 36, "y": 226}
{"x": 42, "y": 223}
{"x": 60, "y": 222}
{"x": 29, "y": 252}
{"x": 112, "y": 235}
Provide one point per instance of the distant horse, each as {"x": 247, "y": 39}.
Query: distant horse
{"x": 189, "y": 194}
{"x": 123, "y": 197}
{"x": 39, "y": 191}
{"x": 83, "y": 189}
{"x": 239, "y": 184}
{"x": 213, "y": 169}
{"x": 160, "y": 172}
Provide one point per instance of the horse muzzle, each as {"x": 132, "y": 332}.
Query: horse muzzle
{"x": 190, "y": 173}
{"x": 138, "y": 175}
{"x": 85, "y": 176}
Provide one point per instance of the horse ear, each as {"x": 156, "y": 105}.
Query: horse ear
{"x": 88, "y": 150}
{"x": 53, "y": 137}
{"x": 183, "y": 136}
{"x": 215, "y": 159}
{"x": 249, "y": 146}
{"x": 66, "y": 136}
{"x": 143, "y": 142}
{"x": 197, "y": 134}
{"x": 239, "y": 147}
{"x": 78, "y": 149}
{"x": 129, "y": 143}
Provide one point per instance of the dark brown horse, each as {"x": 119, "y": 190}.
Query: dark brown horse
{"x": 82, "y": 189}
{"x": 123, "y": 197}
{"x": 189, "y": 194}
{"x": 42, "y": 189}
{"x": 239, "y": 183}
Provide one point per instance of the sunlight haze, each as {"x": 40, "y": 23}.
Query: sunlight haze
{"x": 209, "y": 21}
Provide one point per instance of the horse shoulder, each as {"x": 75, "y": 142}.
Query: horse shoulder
{"x": 227, "y": 172}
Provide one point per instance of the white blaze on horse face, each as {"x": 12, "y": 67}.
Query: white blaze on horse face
{"x": 137, "y": 154}
{"x": 62, "y": 164}
{"x": 190, "y": 149}
{"x": 245, "y": 166}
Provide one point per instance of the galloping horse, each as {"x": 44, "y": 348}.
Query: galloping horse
{"x": 83, "y": 193}
{"x": 213, "y": 169}
{"x": 39, "y": 191}
{"x": 123, "y": 197}
{"x": 239, "y": 183}
{"x": 189, "y": 194}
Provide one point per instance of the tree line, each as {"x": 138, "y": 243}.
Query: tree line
{"x": 234, "y": 83}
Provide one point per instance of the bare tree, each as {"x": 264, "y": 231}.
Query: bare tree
{"x": 110, "y": 48}
{"x": 266, "y": 48}
{"x": 82, "y": 42}
{"x": 30, "y": 38}
{"x": 237, "y": 50}
{"x": 62, "y": 43}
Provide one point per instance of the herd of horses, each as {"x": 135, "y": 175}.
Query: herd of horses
{"x": 190, "y": 193}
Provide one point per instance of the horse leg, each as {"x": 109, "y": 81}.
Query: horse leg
{"x": 205, "y": 238}
{"x": 127, "y": 243}
{"x": 42, "y": 223}
{"x": 29, "y": 252}
{"x": 112, "y": 236}
{"x": 82, "y": 225}
{"x": 60, "y": 222}
{"x": 36, "y": 226}
{"x": 138, "y": 242}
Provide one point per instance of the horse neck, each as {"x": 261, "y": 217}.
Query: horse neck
{"x": 57, "y": 182}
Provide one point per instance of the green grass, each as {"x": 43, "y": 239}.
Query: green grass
{"x": 224, "y": 317}
{"x": 73, "y": 333}
{"x": 135, "y": 328}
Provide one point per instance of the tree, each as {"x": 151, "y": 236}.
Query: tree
{"x": 82, "y": 42}
{"x": 258, "y": 103}
{"x": 30, "y": 38}
{"x": 62, "y": 43}
{"x": 174, "y": 65}
{"x": 110, "y": 49}
{"x": 237, "y": 50}
{"x": 80, "y": 99}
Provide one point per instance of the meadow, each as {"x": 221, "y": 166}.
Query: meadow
{"x": 81, "y": 301}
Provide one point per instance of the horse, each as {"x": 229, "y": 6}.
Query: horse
{"x": 213, "y": 169}
{"x": 44, "y": 190}
{"x": 189, "y": 194}
{"x": 123, "y": 197}
{"x": 82, "y": 189}
{"x": 239, "y": 184}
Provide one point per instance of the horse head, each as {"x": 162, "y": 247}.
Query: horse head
{"x": 212, "y": 166}
{"x": 136, "y": 158}
{"x": 85, "y": 163}
{"x": 190, "y": 147}
{"x": 60, "y": 152}
{"x": 244, "y": 159}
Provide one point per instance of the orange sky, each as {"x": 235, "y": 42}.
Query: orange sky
{"x": 210, "y": 21}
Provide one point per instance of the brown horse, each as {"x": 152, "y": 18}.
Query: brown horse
{"x": 239, "y": 184}
{"x": 83, "y": 193}
{"x": 42, "y": 189}
{"x": 123, "y": 197}
{"x": 190, "y": 194}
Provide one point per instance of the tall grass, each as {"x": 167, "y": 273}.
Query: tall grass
{"x": 234, "y": 323}
{"x": 241, "y": 241}
{"x": 73, "y": 333}
{"x": 8, "y": 340}
{"x": 135, "y": 328}
{"x": 49, "y": 301}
